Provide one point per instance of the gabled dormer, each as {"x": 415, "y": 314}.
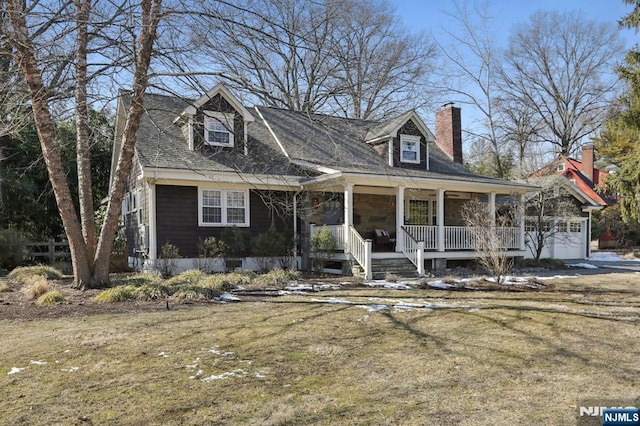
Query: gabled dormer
{"x": 403, "y": 141}
{"x": 217, "y": 121}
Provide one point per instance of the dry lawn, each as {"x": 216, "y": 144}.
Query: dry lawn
{"x": 359, "y": 356}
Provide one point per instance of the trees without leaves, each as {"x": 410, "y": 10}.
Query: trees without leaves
{"x": 40, "y": 36}
{"x": 558, "y": 65}
{"x": 345, "y": 57}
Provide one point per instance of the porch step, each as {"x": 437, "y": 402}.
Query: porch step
{"x": 402, "y": 267}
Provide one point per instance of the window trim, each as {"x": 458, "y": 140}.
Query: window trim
{"x": 219, "y": 118}
{"x": 224, "y": 208}
{"x": 560, "y": 167}
{"x": 411, "y": 139}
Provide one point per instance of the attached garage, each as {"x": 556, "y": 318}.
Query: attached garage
{"x": 569, "y": 240}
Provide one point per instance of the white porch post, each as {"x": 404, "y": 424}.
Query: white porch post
{"x": 521, "y": 215}
{"x": 153, "y": 231}
{"x": 348, "y": 213}
{"x": 399, "y": 217}
{"x": 589, "y": 236}
{"x": 492, "y": 207}
{"x": 440, "y": 218}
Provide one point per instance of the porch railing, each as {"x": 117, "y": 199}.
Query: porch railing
{"x": 412, "y": 249}
{"x": 337, "y": 231}
{"x": 350, "y": 242}
{"x": 426, "y": 234}
{"x": 360, "y": 249}
{"x": 461, "y": 237}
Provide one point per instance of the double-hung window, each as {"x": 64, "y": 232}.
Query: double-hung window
{"x": 220, "y": 207}
{"x": 410, "y": 149}
{"x": 218, "y": 128}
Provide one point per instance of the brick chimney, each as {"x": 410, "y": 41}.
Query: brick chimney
{"x": 449, "y": 131}
{"x": 587, "y": 161}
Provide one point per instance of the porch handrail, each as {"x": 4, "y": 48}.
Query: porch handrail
{"x": 413, "y": 250}
{"x": 360, "y": 249}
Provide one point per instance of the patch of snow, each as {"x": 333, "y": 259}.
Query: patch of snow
{"x": 233, "y": 373}
{"x": 582, "y": 265}
{"x": 608, "y": 256}
{"x": 260, "y": 375}
{"x": 71, "y": 370}
{"x": 557, "y": 277}
{"x": 407, "y": 306}
{"x": 373, "y": 308}
{"x": 15, "y": 370}
{"x": 37, "y": 362}
{"x": 227, "y": 297}
{"x": 198, "y": 374}
{"x": 215, "y": 350}
{"x": 400, "y": 285}
{"x": 439, "y": 284}
{"x": 163, "y": 355}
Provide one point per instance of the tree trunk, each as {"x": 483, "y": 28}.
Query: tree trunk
{"x": 150, "y": 19}
{"x": 83, "y": 158}
{"x": 89, "y": 271}
{"x": 25, "y": 56}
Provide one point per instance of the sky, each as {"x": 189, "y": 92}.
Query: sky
{"x": 432, "y": 16}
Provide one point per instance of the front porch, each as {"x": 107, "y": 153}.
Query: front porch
{"x": 423, "y": 223}
{"x": 419, "y": 244}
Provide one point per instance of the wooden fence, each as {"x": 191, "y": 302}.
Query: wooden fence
{"x": 48, "y": 251}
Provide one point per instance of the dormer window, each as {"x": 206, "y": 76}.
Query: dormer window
{"x": 410, "y": 149}
{"x": 218, "y": 129}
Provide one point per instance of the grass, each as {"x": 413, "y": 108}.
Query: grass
{"x": 34, "y": 286}
{"x": 51, "y": 298}
{"x": 21, "y": 274}
{"x": 469, "y": 358}
{"x": 189, "y": 285}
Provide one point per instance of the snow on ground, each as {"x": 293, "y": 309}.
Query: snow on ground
{"x": 583, "y": 265}
{"x": 400, "y": 285}
{"x": 15, "y": 370}
{"x": 608, "y": 256}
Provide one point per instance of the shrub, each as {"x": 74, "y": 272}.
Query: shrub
{"x": 169, "y": 255}
{"x": 12, "y": 249}
{"x": 276, "y": 278}
{"x": 391, "y": 277}
{"x": 139, "y": 279}
{"x": 19, "y": 275}
{"x": 324, "y": 245}
{"x": 236, "y": 241}
{"x": 271, "y": 245}
{"x": 209, "y": 249}
{"x": 35, "y": 286}
{"x": 117, "y": 294}
{"x": 4, "y": 287}
{"x": 51, "y": 297}
{"x": 192, "y": 276}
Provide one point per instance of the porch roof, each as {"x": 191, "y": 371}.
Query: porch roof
{"x": 418, "y": 179}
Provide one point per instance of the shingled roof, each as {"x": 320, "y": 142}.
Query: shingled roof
{"x": 311, "y": 139}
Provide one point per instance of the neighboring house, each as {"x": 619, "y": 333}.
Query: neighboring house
{"x": 584, "y": 182}
{"x": 205, "y": 165}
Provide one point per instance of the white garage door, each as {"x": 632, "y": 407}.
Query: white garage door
{"x": 570, "y": 242}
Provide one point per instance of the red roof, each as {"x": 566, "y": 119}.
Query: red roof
{"x": 572, "y": 170}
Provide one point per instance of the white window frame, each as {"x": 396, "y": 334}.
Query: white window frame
{"x": 560, "y": 167}
{"x": 224, "y": 206}
{"x": 404, "y": 139}
{"x": 219, "y": 122}
{"x": 431, "y": 210}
